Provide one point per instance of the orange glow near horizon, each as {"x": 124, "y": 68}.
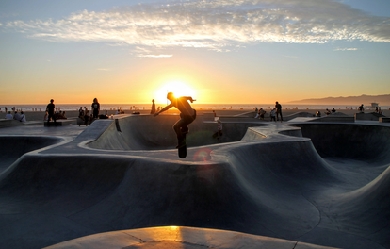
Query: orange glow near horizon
{"x": 179, "y": 88}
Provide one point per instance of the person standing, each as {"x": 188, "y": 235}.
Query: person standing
{"x": 153, "y": 108}
{"x": 50, "y": 108}
{"x": 95, "y": 108}
{"x": 278, "y": 111}
{"x": 272, "y": 114}
{"x": 86, "y": 116}
{"x": 218, "y": 133}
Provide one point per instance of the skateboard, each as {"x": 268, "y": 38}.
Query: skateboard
{"x": 183, "y": 149}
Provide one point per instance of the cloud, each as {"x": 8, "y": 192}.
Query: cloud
{"x": 214, "y": 24}
{"x": 346, "y": 49}
{"x": 160, "y": 56}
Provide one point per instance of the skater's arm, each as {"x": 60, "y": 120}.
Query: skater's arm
{"x": 189, "y": 98}
{"x": 163, "y": 109}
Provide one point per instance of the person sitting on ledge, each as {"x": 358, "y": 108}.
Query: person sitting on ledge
{"x": 9, "y": 116}
{"x": 61, "y": 115}
{"x": 22, "y": 117}
{"x": 81, "y": 113}
{"x": 16, "y": 116}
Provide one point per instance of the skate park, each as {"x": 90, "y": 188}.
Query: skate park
{"x": 118, "y": 183}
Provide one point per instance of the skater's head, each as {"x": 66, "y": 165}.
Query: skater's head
{"x": 170, "y": 96}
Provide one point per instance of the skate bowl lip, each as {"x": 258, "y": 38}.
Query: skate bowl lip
{"x": 260, "y": 132}
{"x": 130, "y": 128}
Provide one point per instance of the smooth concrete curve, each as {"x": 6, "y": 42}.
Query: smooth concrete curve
{"x": 283, "y": 181}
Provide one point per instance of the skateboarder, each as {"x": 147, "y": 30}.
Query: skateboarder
{"x": 187, "y": 116}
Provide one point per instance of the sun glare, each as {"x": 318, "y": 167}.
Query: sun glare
{"x": 178, "y": 88}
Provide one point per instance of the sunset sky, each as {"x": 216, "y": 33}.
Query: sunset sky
{"x": 218, "y": 51}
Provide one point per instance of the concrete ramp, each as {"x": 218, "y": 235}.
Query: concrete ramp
{"x": 364, "y": 142}
{"x": 13, "y": 147}
{"x": 146, "y": 132}
{"x": 245, "y": 192}
{"x": 320, "y": 184}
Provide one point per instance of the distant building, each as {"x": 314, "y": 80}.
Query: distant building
{"x": 374, "y": 105}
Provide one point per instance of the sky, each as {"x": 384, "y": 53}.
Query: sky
{"x": 219, "y": 51}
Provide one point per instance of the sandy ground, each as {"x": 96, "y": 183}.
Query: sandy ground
{"x": 38, "y": 116}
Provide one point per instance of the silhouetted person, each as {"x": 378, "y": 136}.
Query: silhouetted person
{"x": 278, "y": 111}
{"x": 153, "y": 108}
{"x": 187, "y": 115}
{"x": 218, "y": 133}
{"x": 361, "y": 108}
{"x": 50, "y": 108}
{"x": 95, "y": 108}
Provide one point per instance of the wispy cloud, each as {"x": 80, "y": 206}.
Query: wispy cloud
{"x": 160, "y": 56}
{"x": 346, "y": 49}
{"x": 214, "y": 24}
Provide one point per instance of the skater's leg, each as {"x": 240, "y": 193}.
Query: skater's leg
{"x": 177, "y": 127}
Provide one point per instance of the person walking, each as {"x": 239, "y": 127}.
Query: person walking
{"x": 278, "y": 111}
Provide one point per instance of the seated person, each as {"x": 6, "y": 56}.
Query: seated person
{"x": 22, "y": 117}
{"x": 60, "y": 115}
{"x": 16, "y": 116}
{"x": 262, "y": 112}
{"x": 9, "y": 116}
{"x": 81, "y": 113}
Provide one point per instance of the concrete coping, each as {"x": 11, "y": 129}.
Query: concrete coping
{"x": 9, "y": 122}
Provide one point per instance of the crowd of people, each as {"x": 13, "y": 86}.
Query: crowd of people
{"x": 53, "y": 114}
{"x": 274, "y": 113}
{"x": 88, "y": 117}
{"x": 16, "y": 116}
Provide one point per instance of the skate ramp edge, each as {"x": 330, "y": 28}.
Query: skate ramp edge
{"x": 146, "y": 132}
{"x": 354, "y": 141}
{"x": 13, "y": 147}
{"x": 178, "y": 237}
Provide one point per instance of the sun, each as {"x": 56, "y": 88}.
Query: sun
{"x": 179, "y": 88}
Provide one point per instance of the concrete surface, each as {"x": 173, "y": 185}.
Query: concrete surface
{"x": 295, "y": 184}
{"x": 371, "y": 116}
{"x": 179, "y": 237}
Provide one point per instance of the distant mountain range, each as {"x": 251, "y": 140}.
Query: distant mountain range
{"x": 382, "y": 100}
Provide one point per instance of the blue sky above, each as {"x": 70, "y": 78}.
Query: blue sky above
{"x": 288, "y": 49}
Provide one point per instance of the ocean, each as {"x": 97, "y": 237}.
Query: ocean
{"x": 73, "y": 107}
